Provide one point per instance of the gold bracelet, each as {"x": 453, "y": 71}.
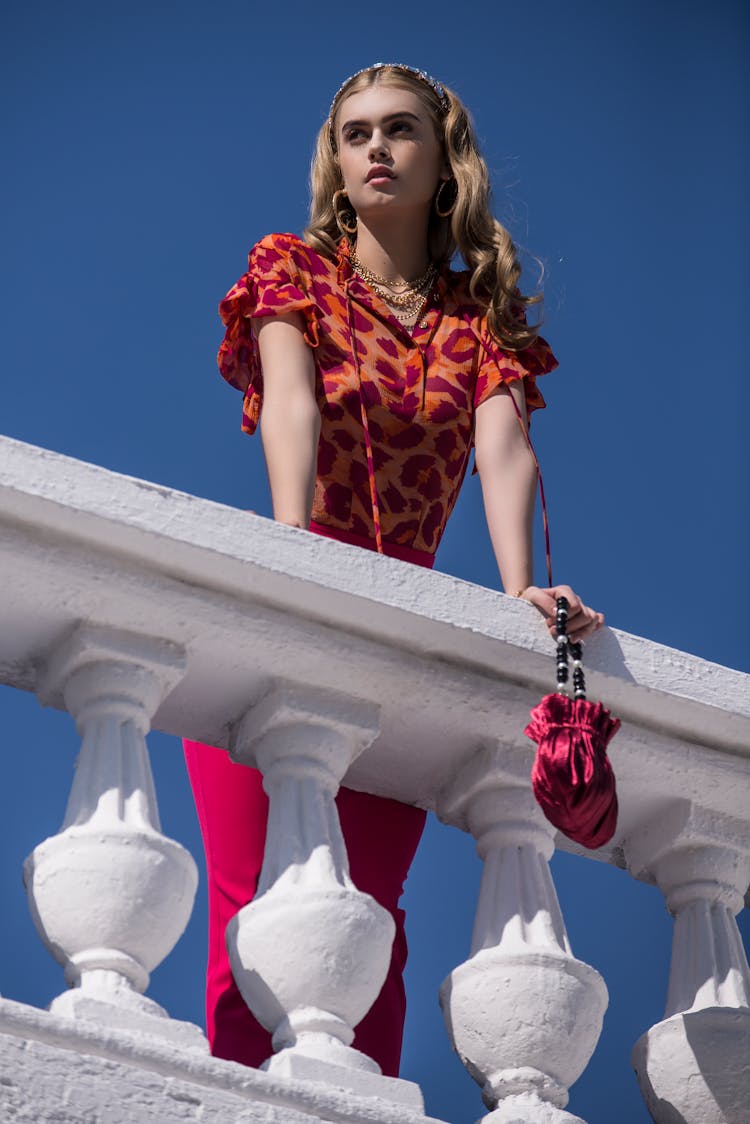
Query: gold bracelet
{"x": 520, "y": 591}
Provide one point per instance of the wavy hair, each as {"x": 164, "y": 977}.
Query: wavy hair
{"x": 484, "y": 244}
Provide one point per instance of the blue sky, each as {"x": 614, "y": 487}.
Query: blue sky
{"x": 148, "y": 146}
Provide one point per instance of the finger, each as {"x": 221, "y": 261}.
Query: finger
{"x": 577, "y": 607}
{"x": 593, "y": 623}
{"x": 582, "y": 621}
{"x": 574, "y": 601}
{"x": 544, "y": 600}
{"x": 540, "y": 599}
{"x": 585, "y": 622}
{"x": 548, "y": 613}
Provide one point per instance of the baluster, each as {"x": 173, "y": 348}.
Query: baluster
{"x": 310, "y": 952}
{"x": 110, "y": 895}
{"x": 694, "y": 1065}
{"x": 522, "y": 1013}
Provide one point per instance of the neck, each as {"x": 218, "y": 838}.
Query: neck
{"x": 396, "y": 251}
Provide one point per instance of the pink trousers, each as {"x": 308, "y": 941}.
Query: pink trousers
{"x": 381, "y": 837}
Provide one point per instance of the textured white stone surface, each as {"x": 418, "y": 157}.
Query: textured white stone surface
{"x": 56, "y": 1071}
{"x": 526, "y": 1108}
{"x": 694, "y": 1068}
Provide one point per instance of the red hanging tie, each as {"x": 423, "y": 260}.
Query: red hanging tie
{"x": 365, "y": 425}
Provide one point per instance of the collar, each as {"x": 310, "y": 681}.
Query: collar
{"x": 344, "y": 268}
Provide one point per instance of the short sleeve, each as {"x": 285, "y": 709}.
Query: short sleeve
{"x": 277, "y": 282}
{"x": 498, "y": 368}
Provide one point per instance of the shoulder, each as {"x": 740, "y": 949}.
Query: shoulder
{"x": 459, "y": 297}
{"x": 287, "y": 250}
{"x": 457, "y": 280}
{"x": 279, "y": 243}
{"x": 535, "y": 359}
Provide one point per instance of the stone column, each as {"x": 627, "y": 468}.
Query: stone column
{"x": 310, "y": 952}
{"x": 694, "y": 1066}
{"x": 110, "y": 895}
{"x": 522, "y": 1013}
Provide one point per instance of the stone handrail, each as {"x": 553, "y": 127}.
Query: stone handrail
{"x": 131, "y": 605}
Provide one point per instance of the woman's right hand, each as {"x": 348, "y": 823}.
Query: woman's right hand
{"x": 582, "y": 620}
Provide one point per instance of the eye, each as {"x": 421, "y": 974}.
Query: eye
{"x": 353, "y": 134}
{"x": 401, "y": 127}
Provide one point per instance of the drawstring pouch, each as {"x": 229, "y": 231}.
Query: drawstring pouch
{"x": 572, "y": 777}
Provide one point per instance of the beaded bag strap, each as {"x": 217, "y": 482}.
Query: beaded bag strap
{"x": 564, "y": 648}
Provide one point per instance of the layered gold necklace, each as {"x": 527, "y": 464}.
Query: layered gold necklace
{"x": 406, "y": 299}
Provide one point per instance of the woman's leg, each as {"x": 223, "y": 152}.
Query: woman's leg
{"x": 232, "y": 811}
{"x": 381, "y": 837}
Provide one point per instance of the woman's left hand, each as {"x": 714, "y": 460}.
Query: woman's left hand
{"x": 582, "y": 621}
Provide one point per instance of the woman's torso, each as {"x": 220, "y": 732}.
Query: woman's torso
{"x": 419, "y": 389}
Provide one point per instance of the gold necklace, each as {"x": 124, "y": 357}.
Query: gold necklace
{"x": 405, "y": 302}
{"x": 373, "y": 278}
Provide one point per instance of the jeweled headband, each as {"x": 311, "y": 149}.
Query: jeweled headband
{"x": 421, "y": 74}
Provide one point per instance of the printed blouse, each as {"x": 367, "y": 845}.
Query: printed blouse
{"x": 396, "y": 406}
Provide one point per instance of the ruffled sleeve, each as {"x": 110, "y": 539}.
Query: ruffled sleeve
{"x": 498, "y": 368}
{"x": 277, "y": 282}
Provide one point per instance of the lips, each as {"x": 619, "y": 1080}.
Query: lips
{"x": 379, "y": 171}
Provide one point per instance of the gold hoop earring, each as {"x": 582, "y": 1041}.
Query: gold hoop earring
{"x": 445, "y": 214}
{"x": 341, "y": 221}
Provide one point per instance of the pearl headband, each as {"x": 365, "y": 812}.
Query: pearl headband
{"x": 421, "y": 74}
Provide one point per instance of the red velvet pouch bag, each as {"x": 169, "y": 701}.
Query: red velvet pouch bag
{"x": 572, "y": 777}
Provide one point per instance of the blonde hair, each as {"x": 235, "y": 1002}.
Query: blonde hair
{"x": 484, "y": 244}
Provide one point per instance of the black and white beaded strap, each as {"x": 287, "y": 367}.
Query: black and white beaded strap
{"x": 565, "y": 648}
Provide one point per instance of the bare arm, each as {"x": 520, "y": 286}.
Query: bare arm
{"x": 290, "y": 419}
{"x": 508, "y": 475}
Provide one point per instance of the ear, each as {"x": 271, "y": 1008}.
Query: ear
{"x": 446, "y": 172}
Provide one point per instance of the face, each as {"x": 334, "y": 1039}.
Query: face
{"x": 388, "y": 152}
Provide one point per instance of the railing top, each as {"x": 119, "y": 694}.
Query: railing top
{"x": 251, "y": 599}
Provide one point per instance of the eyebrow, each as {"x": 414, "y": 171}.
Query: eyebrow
{"x": 390, "y": 117}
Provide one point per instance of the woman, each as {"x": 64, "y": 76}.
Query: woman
{"x": 378, "y": 368}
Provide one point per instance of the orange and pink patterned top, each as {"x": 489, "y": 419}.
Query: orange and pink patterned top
{"x": 397, "y": 406}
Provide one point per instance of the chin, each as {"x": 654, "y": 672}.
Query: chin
{"x": 389, "y": 203}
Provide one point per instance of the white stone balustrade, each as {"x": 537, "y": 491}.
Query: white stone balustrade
{"x": 110, "y": 894}
{"x": 694, "y": 1065}
{"x": 523, "y": 1014}
{"x": 319, "y": 661}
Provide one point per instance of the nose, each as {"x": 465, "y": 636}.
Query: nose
{"x": 378, "y": 149}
